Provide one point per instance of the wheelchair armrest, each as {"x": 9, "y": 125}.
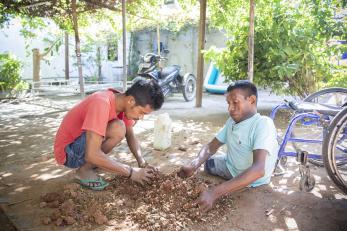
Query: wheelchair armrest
{"x": 314, "y": 107}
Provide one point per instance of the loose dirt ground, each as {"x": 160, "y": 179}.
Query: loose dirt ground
{"x": 29, "y": 176}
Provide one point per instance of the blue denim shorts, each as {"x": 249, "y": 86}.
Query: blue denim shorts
{"x": 75, "y": 152}
{"x": 216, "y": 165}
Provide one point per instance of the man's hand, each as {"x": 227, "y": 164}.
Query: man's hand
{"x": 142, "y": 175}
{"x": 207, "y": 199}
{"x": 142, "y": 163}
{"x": 186, "y": 171}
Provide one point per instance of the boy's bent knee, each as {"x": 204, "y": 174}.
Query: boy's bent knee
{"x": 116, "y": 128}
{"x": 209, "y": 166}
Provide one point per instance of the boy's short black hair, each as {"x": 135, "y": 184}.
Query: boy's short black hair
{"x": 248, "y": 87}
{"x": 146, "y": 92}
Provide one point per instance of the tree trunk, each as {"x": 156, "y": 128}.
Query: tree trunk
{"x": 98, "y": 58}
{"x": 78, "y": 50}
{"x": 36, "y": 68}
{"x": 251, "y": 41}
{"x": 201, "y": 46}
{"x": 124, "y": 48}
{"x": 67, "y": 67}
{"x": 158, "y": 46}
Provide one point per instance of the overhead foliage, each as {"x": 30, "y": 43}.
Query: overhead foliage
{"x": 172, "y": 17}
{"x": 97, "y": 19}
{"x": 292, "y": 53}
{"x": 140, "y": 14}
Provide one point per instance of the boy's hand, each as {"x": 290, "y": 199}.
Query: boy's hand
{"x": 206, "y": 200}
{"x": 186, "y": 171}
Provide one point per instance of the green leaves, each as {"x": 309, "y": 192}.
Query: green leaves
{"x": 291, "y": 46}
{"x": 10, "y": 71}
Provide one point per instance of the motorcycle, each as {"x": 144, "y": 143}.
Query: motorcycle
{"x": 169, "y": 78}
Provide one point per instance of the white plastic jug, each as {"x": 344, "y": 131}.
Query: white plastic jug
{"x": 162, "y": 132}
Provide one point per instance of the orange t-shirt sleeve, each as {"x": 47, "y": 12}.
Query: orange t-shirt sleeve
{"x": 96, "y": 118}
{"x": 127, "y": 122}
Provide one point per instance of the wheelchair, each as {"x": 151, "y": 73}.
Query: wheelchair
{"x": 323, "y": 112}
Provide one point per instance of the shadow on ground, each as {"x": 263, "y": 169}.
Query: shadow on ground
{"x": 28, "y": 169}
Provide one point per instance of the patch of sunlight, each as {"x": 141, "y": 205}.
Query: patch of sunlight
{"x": 317, "y": 178}
{"x": 123, "y": 155}
{"x": 272, "y": 218}
{"x": 44, "y": 169}
{"x": 339, "y": 196}
{"x": 31, "y": 166}
{"x": 291, "y": 223}
{"x": 6, "y": 174}
{"x": 34, "y": 175}
{"x": 176, "y": 161}
{"x": 15, "y": 142}
{"x": 288, "y": 173}
{"x": 21, "y": 189}
{"x": 53, "y": 174}
{"x": 281, "y": 189}
{"x": 322, "y": 187}
{"x": 4, "y": 145}
{"x": 277, "y": 229}
{"x": 316, "y": 193}
{"x": 145, "y": 143}
{"x": 283, "y": 181}
{"x": 10, "y": 155}
{"x": 163, "y": 166}
{"x": 296, "y": 180}
{"x": 50, "y": 161}
{"x": 290, "y": 192}
{"x": 175, "y": 154}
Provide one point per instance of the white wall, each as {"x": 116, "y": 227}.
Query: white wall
{"x": 11, "y": 41}
{"x": 183, "y": 46}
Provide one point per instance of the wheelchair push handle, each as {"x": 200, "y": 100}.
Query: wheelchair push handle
{"x": 292, "y": 105}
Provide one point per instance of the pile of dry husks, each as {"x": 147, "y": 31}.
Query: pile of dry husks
{"x": 167, "y": 203}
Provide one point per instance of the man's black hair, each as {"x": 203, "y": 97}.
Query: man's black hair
{"x": 146, "y": 92}
{"x": 248, "y": 87}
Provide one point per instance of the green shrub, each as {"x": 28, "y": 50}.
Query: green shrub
{"x": 291, "y": 54}
{"x": 10, "y": 71}
{"x": 339, "y": 79}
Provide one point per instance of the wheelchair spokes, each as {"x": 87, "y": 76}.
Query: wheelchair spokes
{"x": 334, "y": 150}
{"x": 322, "y": 120}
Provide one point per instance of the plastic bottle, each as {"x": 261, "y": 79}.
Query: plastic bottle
{"x": 162, "y": 132}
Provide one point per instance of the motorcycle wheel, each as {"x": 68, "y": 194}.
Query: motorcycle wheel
{"x": 189, "y": 88}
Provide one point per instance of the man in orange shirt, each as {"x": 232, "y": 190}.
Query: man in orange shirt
{"x": 92, "y": 128}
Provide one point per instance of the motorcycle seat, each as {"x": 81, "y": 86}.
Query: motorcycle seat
{"x": 168, "y": 70}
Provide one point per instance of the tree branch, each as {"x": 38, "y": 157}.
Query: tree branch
{"x": 112, "y": 8}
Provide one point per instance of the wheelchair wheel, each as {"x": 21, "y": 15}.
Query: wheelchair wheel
{"x": 335, "y": 150}
{"x": 335, "y": 96}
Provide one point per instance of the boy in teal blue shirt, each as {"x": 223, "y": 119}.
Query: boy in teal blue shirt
{"x": 251, "y": 147}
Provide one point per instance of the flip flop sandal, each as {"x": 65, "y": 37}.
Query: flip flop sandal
{"x": 87, "y": 183}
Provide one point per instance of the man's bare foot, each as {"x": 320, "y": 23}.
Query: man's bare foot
{"x": 86, "y": 173}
